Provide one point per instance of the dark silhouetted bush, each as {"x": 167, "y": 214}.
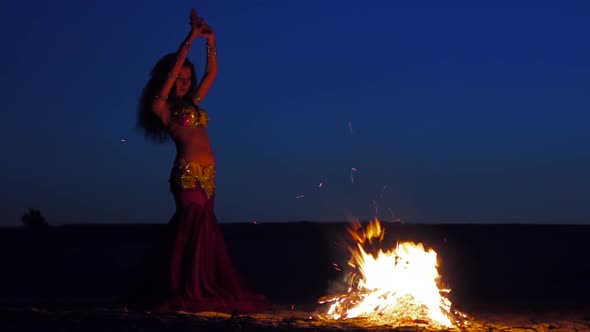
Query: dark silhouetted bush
{"x": 33, "y": 218}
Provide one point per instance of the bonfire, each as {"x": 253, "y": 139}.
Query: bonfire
{"x": 398, "y": 286}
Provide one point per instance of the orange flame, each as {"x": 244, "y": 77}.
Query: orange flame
{"x": 394, "y": 286}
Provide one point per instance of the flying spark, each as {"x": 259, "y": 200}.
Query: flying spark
{"x": 352, "y": 169}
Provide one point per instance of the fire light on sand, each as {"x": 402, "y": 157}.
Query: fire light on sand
{"x": 396, "y": 287}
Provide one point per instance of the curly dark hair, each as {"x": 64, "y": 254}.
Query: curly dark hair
{"x": 147, "y": 120}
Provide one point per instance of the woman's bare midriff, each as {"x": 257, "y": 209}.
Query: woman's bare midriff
{"x": 192, "y": 144}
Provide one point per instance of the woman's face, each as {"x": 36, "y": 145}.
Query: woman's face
{"x": 183, "y": 82}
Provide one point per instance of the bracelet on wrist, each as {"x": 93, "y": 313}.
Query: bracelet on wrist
{"x": 211, "y": 50}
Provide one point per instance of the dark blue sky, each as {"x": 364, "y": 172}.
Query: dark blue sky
{"x": 470, "y": 111}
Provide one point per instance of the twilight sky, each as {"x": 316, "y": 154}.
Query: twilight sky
{"x": 449, "y": 111}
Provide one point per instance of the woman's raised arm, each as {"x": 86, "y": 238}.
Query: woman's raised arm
{"x": 211, "y": 67}
{"x": 181, "y": 54}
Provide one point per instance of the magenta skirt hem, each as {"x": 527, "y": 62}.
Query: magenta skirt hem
{"x": 227, "y": 306}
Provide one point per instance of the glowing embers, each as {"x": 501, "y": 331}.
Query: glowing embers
{"x": 398, "y": 286}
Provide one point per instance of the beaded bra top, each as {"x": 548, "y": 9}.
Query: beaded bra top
{"x": 188, "y": 115}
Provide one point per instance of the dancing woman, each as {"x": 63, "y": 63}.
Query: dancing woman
{"x": 190, "y": 268}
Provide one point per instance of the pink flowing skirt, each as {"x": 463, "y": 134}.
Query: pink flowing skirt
{"x": 190, "y": 268}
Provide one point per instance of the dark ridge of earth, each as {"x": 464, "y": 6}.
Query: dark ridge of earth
{"x": 528, "y": 274}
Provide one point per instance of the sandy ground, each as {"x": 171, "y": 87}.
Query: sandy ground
{"x": 281, "y": 319}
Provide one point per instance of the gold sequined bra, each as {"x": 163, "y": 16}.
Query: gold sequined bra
{"x": 190, "y": 174}
{"x": 188, "y": 115}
